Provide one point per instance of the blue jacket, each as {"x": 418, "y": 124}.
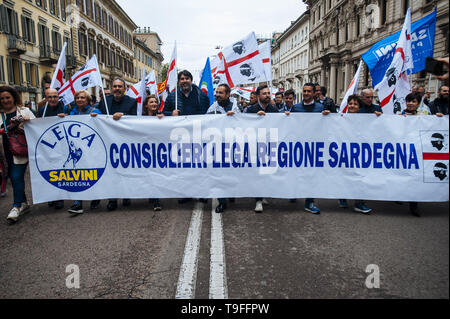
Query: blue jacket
{"x": 86, "y": 110}
{"x": 195, "y": 103}
{"x": 127, "y": 106}
{"x": 301, "y": 107}
{"x": 370, "y": 109}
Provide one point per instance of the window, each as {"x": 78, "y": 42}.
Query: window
{"x": 15, "y": 73}
{"x": 9, "y": 21}
{"x": 28, "y": 73}
{"x": 383, "y": 12}
{"x": 56, "y": 41}
{"x": 28, "y": 29}
{"x": 82, "y": 42}
{"x": 63, "y": 9}
{"x": 2, "y": 70}
{"x": 42, "y": 4}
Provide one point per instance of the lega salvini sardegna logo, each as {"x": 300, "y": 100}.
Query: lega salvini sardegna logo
{"x": 71, "y": 156}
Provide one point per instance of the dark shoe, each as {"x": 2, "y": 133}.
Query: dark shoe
{"x": 95, "y": 204}
{"x": 112, "y": 205}
{"x": 59, "y": 204}
{"x": 126, "y": 202}
{"x": 76, "y": 209}
{"x": 184, "y": 200}
{"x": 362, "y": 208}
{"x": 220, "y": 208}
{"x": 157, "y": 206}
{"x": 414, "y": 211}
{"x": 343, "y": 203}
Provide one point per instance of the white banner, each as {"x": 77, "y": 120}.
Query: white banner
{"x": 356, "y": 156}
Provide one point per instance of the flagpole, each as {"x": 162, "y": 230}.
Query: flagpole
{"x": 52, "y": 84}
{"x": 176, "y": 74}
{"x": 101, "y": 85}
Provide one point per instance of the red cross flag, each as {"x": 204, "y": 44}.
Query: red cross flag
{"x": 266, "y": 56}
{"x": 394, "y": 87}
{"x": 239, "y": 63}
{"x": 60, "y": 71}
{"x": 88, "y": 76}
{"x": 352, "y": 89}
{"x": 149, "y": 82}
{"x": 170, "y": 84}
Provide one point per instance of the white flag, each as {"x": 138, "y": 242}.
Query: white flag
{"x": 149, "y": 82}
{"x": 239, "y": 63}
{"x": 352, "y": 89}
{"x": 172, "y": 76}
{"x": 266, "y": 56}
{"x": 60, "y": 71}
{"x": 394, "y": 87}
{"x": 88, "y": 76}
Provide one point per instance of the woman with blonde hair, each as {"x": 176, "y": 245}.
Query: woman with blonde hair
{"x": 13, "y": 117}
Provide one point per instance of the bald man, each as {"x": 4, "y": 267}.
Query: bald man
{"x": 54, "y": 106}
{"x": 369, "y": 106}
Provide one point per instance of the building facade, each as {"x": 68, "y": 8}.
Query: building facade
{"x": 290, "y": 56}
{"x": 341, "y": 31}
{"x": 32, "y": 33}
{"x": 31, "y": 37}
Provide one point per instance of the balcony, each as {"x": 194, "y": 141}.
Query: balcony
{"x": 16, "y": 46}
{"x": 116, "y": 72}
{"x": 48, "y": 55}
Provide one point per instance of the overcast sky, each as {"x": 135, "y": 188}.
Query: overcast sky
{"x": 199, "y": 26}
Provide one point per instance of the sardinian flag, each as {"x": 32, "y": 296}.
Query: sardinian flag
{"x": 394, "y": 87}
{"x": 264, "y": 51}
{"x": 352, "y": 89}
{"x": 88, "y": 76}
{"x": 239, "y": 63}
{"x": 245, "y": 92}
{"x": 149, "y": 83}
{"x": 170, "y": 84}
{"x": 60, "y": 71}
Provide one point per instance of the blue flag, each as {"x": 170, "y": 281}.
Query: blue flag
{"x": 380, "y": 55}
{"x": 206, "y": 83}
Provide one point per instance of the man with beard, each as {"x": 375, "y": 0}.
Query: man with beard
{"x": 309, "y": 105}
{"x": 191, "y": 100}
{"x": 261, "y": 107}
{"x": 440, "y": 104}
{"x": 119, "y": 104}
{"x": 223, "y": 103}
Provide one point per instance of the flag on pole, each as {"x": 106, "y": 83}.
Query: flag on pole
{"x": 246, "y": 91}
{"x": 239, "y": 63}
{"x": 142, "y": 93}
{"x": 60, "y": 71}
{"x": 149, "y": 82}
{"x": 88, "y": 76}
{"x": 352, "y": 89}
{"x": 170, "y": 84}
{"x": 206, "y": 84}
{"x": 266, "y": 56}
{"x": 394, "y": 87}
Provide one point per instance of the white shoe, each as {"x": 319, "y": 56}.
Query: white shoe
{"x": 265, "y": 201}
{"x": 24, "y": 208}
{"x": 259, "y": 207}
{"x": 13, "y": 215}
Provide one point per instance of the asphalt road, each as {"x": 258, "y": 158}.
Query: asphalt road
{"x": 284, "y": 252}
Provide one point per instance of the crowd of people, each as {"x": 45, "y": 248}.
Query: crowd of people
{"x": 190, "y": 101}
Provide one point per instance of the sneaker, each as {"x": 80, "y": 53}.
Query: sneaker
{"x": 265, "y": 201}
{"x": 311, "y": 208}
{"x": 126, "y": 202}
{"x": 112, "y": 205}
{"x": 24, "y": 208}
{"x": 362, "y": 208}
{"x": 13, "y": 215}
{"x": 259, "y": 206}
{"x": 76, "y": 209}
{"x": 220, "y": 208}
{"x": 95, "y": 204}
{"x": 343, "y": 203}
{"x": 157, "y": 206}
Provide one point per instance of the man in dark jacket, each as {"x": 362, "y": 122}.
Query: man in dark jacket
{"x": 261, "y": 107}
{"x": 368, "y": 105}
{"x": 327, "y": 102}
{"x": 191, "y": 100}
{"x": 119, "y": 104}
{"x": 440, "y": 104}
{"x": 279, "y": 101}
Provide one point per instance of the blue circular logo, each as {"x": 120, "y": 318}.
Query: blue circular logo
{"x": 71, "y": 156}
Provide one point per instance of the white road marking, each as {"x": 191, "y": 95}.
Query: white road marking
{"x": 217, "y": 274}
{"x": 188, "y": 271}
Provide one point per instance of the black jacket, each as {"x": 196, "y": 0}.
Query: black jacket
{"x": 328, "y": 104}
{"x": 439, "y": 105}
{"x": 255, "y": 108}
{"x": 194, "y": 104}
{"x": 127, "y": 106}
